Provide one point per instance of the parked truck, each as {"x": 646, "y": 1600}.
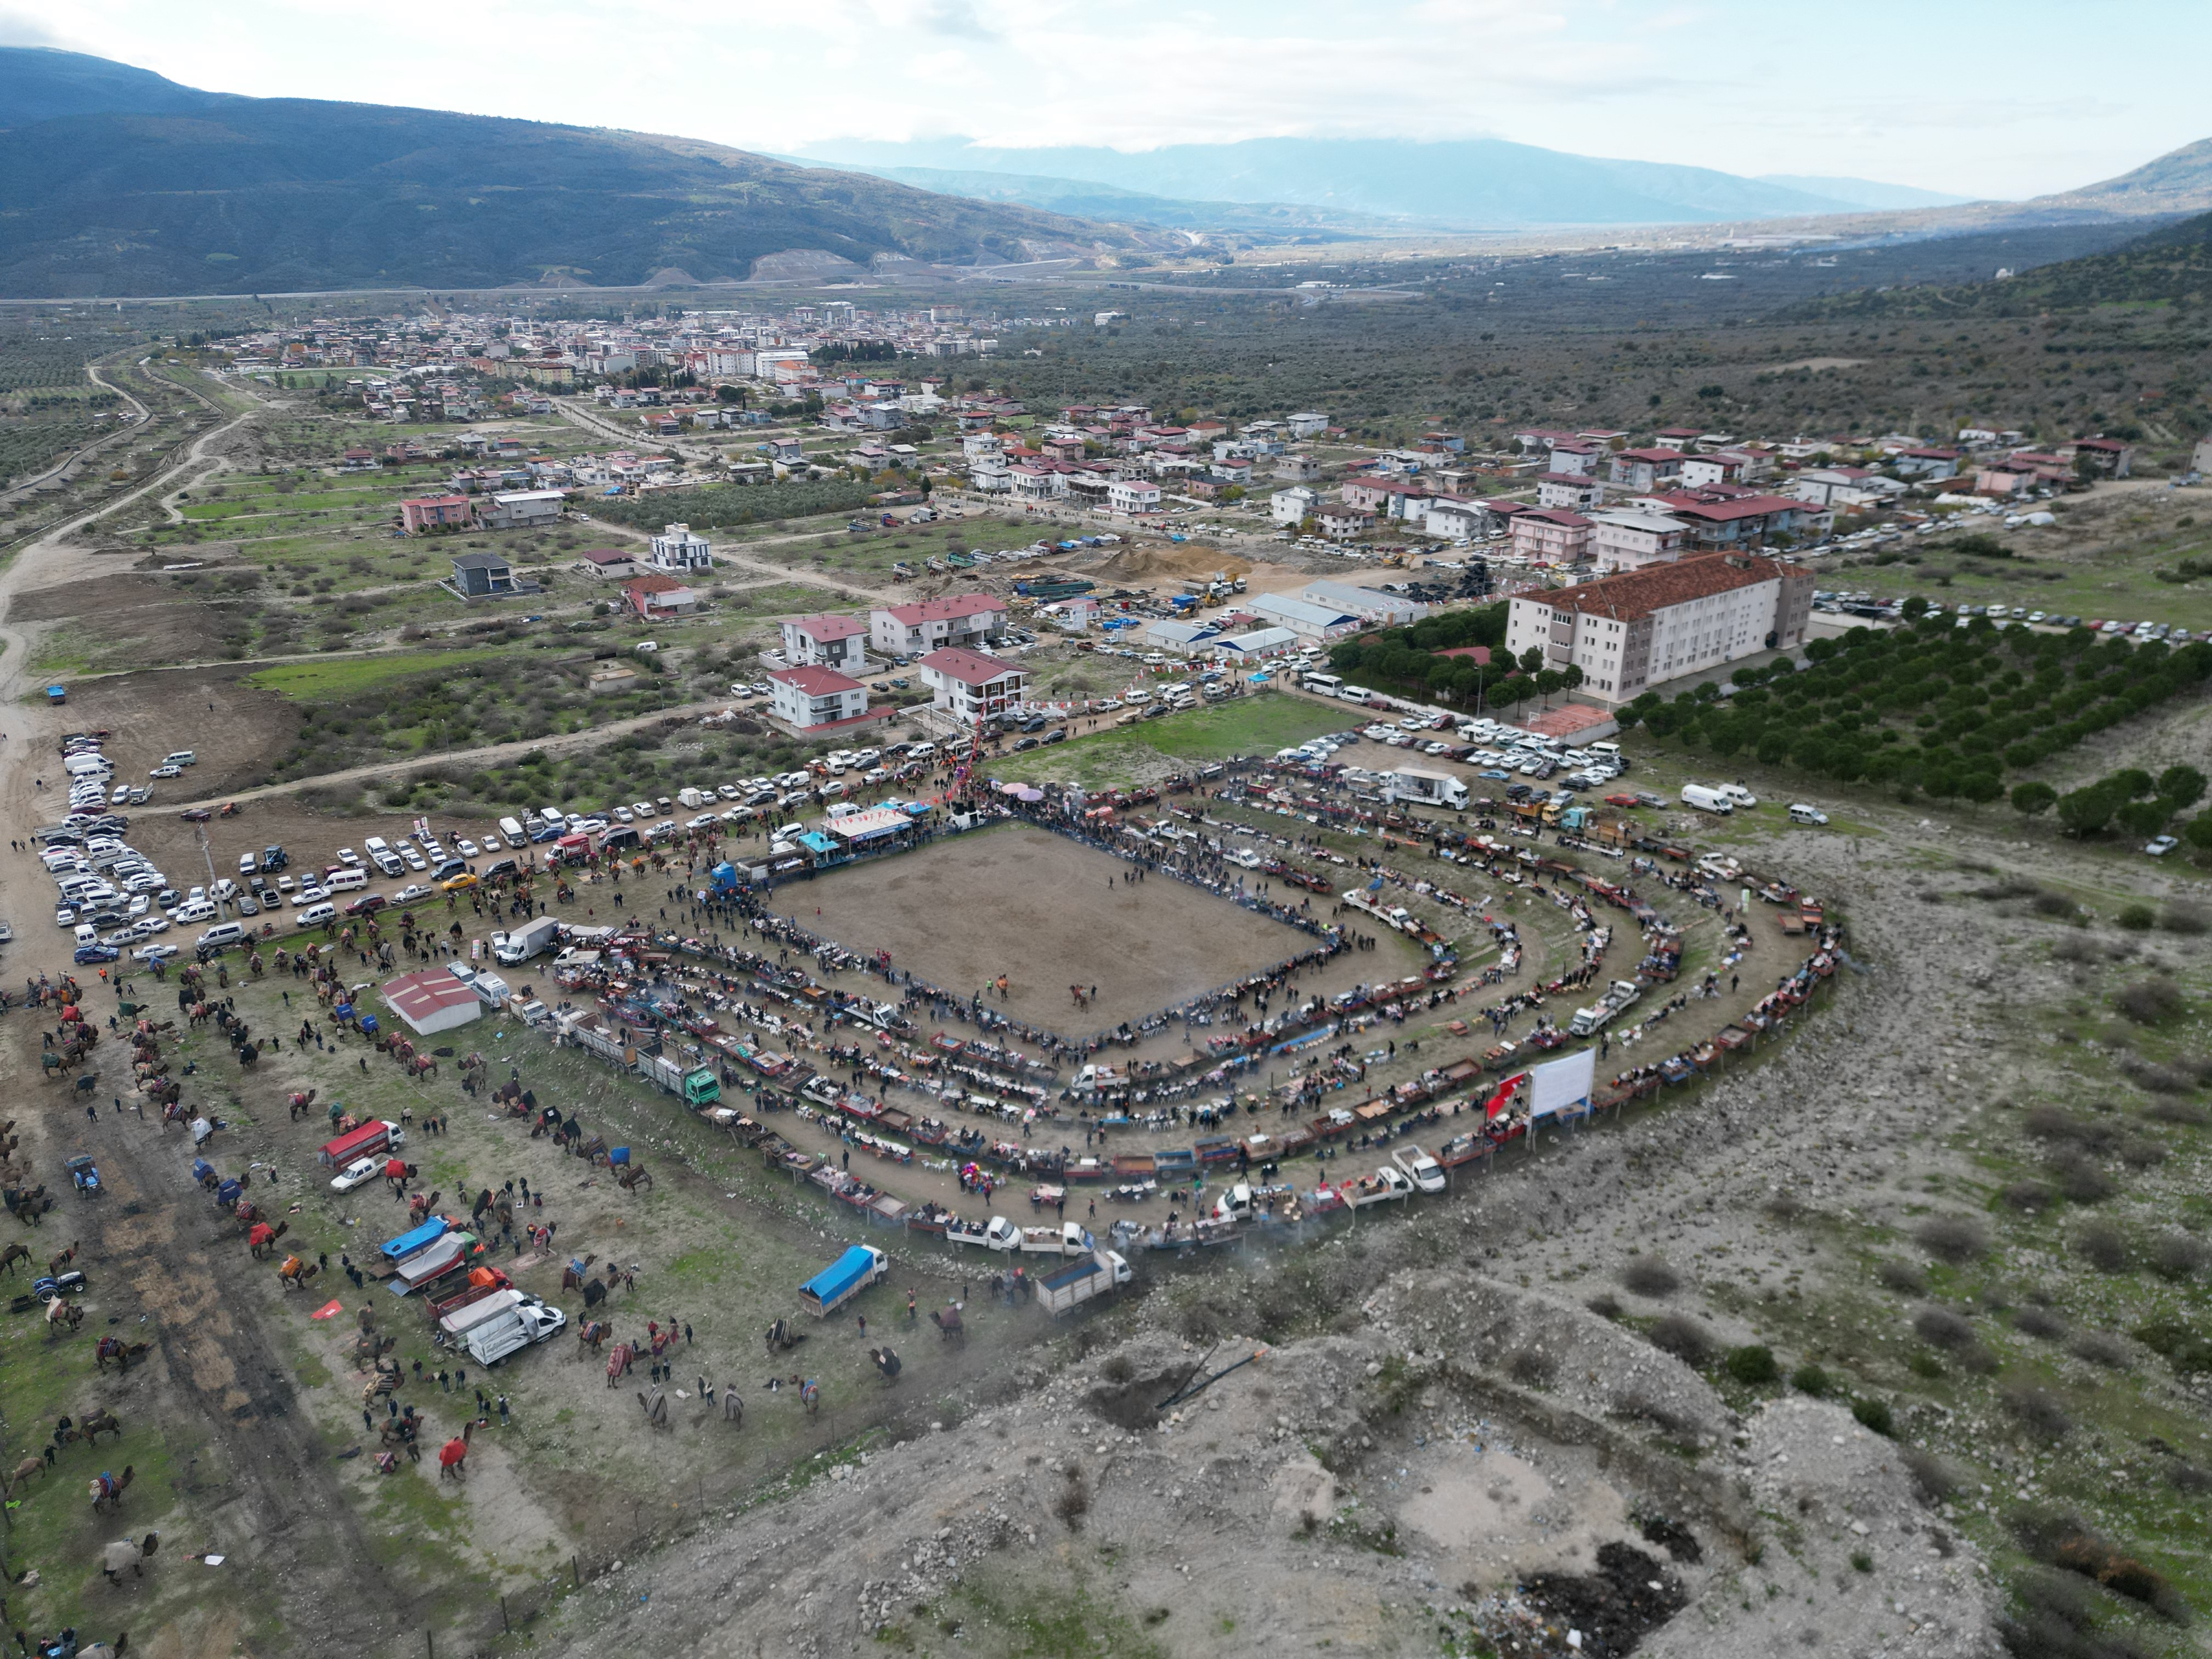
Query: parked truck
{"x": 696, "y": 1086}
{"x": 489, "y": 1338}
{"x": 1418, "y": 784}
{"x": 842, "y": 1279}
{"x": 520, "y": 943}
{"x": 377, "y": 1135}
{"x": 1067, "y": 1238}
{"x": 1099, "y": 1273}
{"x": 1588, "y": 1021}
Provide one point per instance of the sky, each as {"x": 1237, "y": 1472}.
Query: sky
{"x": 1976, "y": 98}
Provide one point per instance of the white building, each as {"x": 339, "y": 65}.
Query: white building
{"x": 676, "y": 549}
{"x": 1371, "y": 604}
{"x": 1643, "y": 628}
{"x": 1302, "y": 617}
{"x": 807, "y": 698}
{"x": 523, "y": 509}
{"x": 1293, "y": 506}
{"x": 1128, "y": 497}
{"x": 837, "y": 642}
{"x": 1459, "y": 521}
{"x": 970, "y": 686}
{"x": 905, "y": 630}
{"x": 1307, "y": 423}
{"x": 1624, "y": 540}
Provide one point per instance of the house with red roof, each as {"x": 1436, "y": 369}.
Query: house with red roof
{"x": 437, "y": 513}
{"x": 900, "y": 630}
{"x": 655, "y": 597}
{"x": 809, "y": 697}
{"x": 830, "y": 641}
{"x": 970, "y": 686}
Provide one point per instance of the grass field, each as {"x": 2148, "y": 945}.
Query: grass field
{"x": 1124, "y": 754}
{"x": 340, "y": 677}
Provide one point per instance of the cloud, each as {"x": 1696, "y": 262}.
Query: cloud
{"x": 19, "y": 29}
{"x": 956, "y": 18}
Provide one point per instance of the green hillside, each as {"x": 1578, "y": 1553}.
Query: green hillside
{"x": 250, "y": 195}
{"x": 2171, "y": 266}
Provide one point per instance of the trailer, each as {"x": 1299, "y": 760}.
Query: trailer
{"x": 844, "y": 1278}
{"x": 516, "y": 1326}
{"x": 1099, "y": 1273}
{"x": 1427, "y": 788}
{"x": 458, "y": 1315}
{"x": 416, "y": 1238}
{"x": 373, "y": 1137}
{"x": 696, "y": 1086}
{"x": 520, "y": 943}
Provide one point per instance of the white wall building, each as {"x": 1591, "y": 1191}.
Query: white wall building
{"x": 902, "y": 630}
{"x": 1133, "y": 495}
{"x": 807, "y": 697}
{"x": 1624, "y": 540}
{"x": 676, "y": 549}
{"x": 970, "y": 686}
{"x": 837, "y": 642}
{"x": 1643, "y": 628}
{"x": 1293, "y": 506}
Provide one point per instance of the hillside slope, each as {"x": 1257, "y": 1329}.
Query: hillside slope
{"x": 270, "y": 195}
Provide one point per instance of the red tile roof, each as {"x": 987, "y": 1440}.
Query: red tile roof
{"x": 815, "y": 682}
{"x": 825, "y": 629}
{"x": 950, "y": 609}
{"x": 969, "y": 667}
{"x": 610, "y": 555}
{"x": 1634, "y": 593}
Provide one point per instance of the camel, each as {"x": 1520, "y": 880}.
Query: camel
{"x": 12, "y": 1255}
{"x": 301, "y": 1101}
{"x": 295, "y": 1274}
{"x": 262, "y": 1239}
{"x": 634, "y": 1177}
{"x": 781, "y": 1338}
{"x": 594, "y": 1294}
{"x": 810, "y": 1395}
{"x": 66, "y": 1315}
{"x": 618, "y": 1363}
{"x": 591, "y": 1333}
{"x": 126, "y": 1553}
{"x": 21, "y": 1475}
{"x": 572, "y": 1276}
{"x": 101, "y": 1422}
{"x": 108, "y": 1491}
{"x": 453, "y": 1456}
{"x": 733, "y": 1409}
{"x": 655, "y": 1404}
{"x": 886, "y": 1362}
{"x": 368, "y": 1348}
{"x": 55, "y": 1264}
{"x": 114, "y": 1347}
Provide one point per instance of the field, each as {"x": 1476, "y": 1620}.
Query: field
{"x": 1115, "y": 755}
{"x": 1047, "y": 913}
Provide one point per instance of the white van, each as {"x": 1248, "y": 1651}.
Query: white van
{"x": 1800, "y": 814}
{"x": 922, "y": 751}
{"x": 512, "y": 830}
{"x": 1707, "y": 801}
{"x": 345, "y": 881}
{"x": 222, "y": 934}
{"x": 315, "y": 915}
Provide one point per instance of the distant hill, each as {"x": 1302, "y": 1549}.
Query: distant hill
{"x": 1469, "y": 184}
{"x": 208, "y": 193}
{"x": 1863, "y": 192}
{"x": 2171, "y": 265}
{"x": 2179, "y": 181}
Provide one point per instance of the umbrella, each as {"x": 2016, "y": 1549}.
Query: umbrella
{"x": 1029, "y": 794}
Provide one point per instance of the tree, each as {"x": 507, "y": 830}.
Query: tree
{"x": 2183, "y": 786}
{"x": 2198, "y": 831}
{"x": 1549, "y": 682}
{"x": 1981, "y": 787}
{"x": 1532, "y": 660}
{"x": 1915, "y": 608}
{"x": 2032, "y": 800}
{"x": 2086, "y": 811}
{"x": 1572, "y": 676}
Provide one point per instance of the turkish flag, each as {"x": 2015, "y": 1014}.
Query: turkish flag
{"x": 1496, "y": 1103}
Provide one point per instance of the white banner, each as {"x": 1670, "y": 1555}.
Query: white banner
{"x": 1560, "y": 1085}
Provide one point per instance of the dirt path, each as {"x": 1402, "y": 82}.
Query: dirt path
{"x": 723, "y": 555}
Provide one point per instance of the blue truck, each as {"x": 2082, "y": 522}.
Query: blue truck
{"x": 842, "y": 1279}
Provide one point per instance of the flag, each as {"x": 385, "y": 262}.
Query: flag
{"x": 1496, "y": 1103}
{"x": 328, "y": 1310}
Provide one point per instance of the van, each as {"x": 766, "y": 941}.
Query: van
{"x": 224, "y": 933}
{"x": 922, "y": 751}
{"x": 512, "y": 830}
{"x": 1707, "y": 801}
{"x": 346, "y": 881}
{"x": 87, "y": 934}
{"x": 315, "y": 915}
{"x": 1800, "y": 814}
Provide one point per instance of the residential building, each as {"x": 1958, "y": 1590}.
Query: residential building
{"x": 1043, "y": 483}
{"x": 1292, "y": 506}
{"x": 1577, "y": 492}
{"x": 1460, "y": 521}
{"x": 1340, "y": 521}
{"x": 810, "y": 696}
{"x": 654, "y": 597}
{"x": 2108, "y": 457}
{"x": 1551, "y": 535}
{"x": 1070, "y": 616}
{"x": 1306, "y": 423}
{"x": 1644, "y": 470}
{"x": 482, "y": 576}
{"x": 524, "y": 509}
{"x": 608, "y": 563}
{"x": 838, "y": 642}
{"x": 1931, "y": 466}
{"x": 1304, "y": 617}
{"x": 1741, "y": 517}
{"x": 1180, "y": 636}
{"x": 1371, "y": 604}
{"x": 676, "y": 549}
{"x": 970, "y": 686}
{"x": 1637, "y": 630}
{"x": 1627, "y": 540}
{"x": 1845, "y": 487}
{"x": 1130, "y": 496}
{"x": 436, "y": 512}
{"x": 1577, "y": 456}
{"x": 1296, "y": 469}
{"x": 1701, "y": 472}
{"x": 962, "y": 619}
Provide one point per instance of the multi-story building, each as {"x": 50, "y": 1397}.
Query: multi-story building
{"x": 676, "y": 549}
{"x": 1627, "y": 540}
{"x": 436, "y": 512}
{"x": 812, "y": 697}
{"x": 1632, "y": 631}
{"x": 1551, "y": 535}
{"x": 970, "y": 686}
{"x": 837, "y": 642}
{"x": 902, "y": 630}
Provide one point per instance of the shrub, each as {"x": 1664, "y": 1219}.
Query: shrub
{"x": 2038, "y": 1322}
{"x": 1810, "y": 1379}
{"x": 1875, "y": 1414}
{"x": 2176, "y": 1255}
{"x": 1952, "y": 1238}
{"x": 2027, "y": 1196}
{"x": 2149, "y": 1001}
{"x": 1903, "y": 1277}
{"x": 1753, "y": 1366}
{"x": 1074, "y": 1500}
{"x": 2138, "y": 917}
{"x": 1650, "y": 1276}
{"x": 1604, "y": 1305}
{"x": 1937, "y": 1480}
{"x": 2103, "y": 1246}
{"x": 2102, "y": 1348}
{"x": 2080, "y": 1180}
{"x": 1939, "y": 1327}
{"x": 2184, "y": 916}
{"x": 1683, "y": 1337}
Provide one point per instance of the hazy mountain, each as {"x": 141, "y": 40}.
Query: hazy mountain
{"x": 1085, "y": 199}
{"x": 2179, "y": 181}
{"x": 229, "y": 195}
{"x": 1864, "y": 192}
{"x": 1475, "y": 184}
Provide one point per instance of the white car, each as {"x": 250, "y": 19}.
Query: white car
{"x": 310, "y": 894}
{"x": 469, "y": 848}
{"x": 360, "y": 1170}
{"x": 491, "y": 843}
{"x": 642, "y": 808}
{"x": 348, "y": 858}
{"x": 194, "y": 912}
{"x": 150, "y": 954}
{"x": 167, "y": 772}
{"x": 410, "y": 893}
{"x": 623, "y": 814}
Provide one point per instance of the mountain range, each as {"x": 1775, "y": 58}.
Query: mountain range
{"x": 116, "y": 181}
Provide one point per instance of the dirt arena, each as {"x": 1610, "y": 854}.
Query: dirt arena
{"x": 1047, "y": 911}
